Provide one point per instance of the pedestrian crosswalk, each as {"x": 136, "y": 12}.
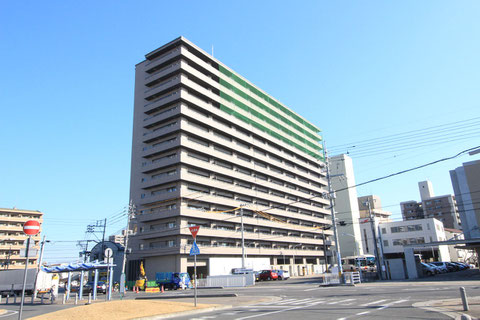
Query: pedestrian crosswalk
{"x": 358, "y": 306}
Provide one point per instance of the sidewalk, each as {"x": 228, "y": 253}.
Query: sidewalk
{"x": 453, "y": 307}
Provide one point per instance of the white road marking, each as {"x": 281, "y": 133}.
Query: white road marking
{"x": 373, "y": 302}
{"x": 390, "y": 304}
{"x": 267, "y": 313}
{"x": 362, "y": 313}
{"x": 8, "y": 313}
{"x": 302, "y": 301}
{"x": 314, "y": 289}
{"x": 341, "y": 301}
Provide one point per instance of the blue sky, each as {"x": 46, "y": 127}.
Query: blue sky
{"x": 358, "y": 70}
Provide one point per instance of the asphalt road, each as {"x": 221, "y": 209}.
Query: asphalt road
{"x": 302, "y": 298}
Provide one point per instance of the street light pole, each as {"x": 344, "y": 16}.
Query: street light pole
{"x": 131, "y": 212}
{"x": 334, "y": 221}
{"x": 243, "y": 238}
{"x": 375, "y": 248}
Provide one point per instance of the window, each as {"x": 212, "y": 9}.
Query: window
{"x": 223, "y": 150}
{"x": 198, "y": 156}
{"x": 199, "y": 141}
{"x": 199, "y": 172}
{"x": 385, "y": 243}
{"x": 242, "y": 157}
{"x": 384, "y": 230}
{"x": 223, "y": 164}
{"x": 198, "y": 126}
{"x": 243, "y": 145}
{"x": 171, "y": 243}
{"x": 222, "y": 136}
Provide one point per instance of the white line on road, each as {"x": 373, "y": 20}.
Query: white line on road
{"x": 302, "y": 301}
{"x": 362, "y": 313}
{"x": 320, "y": 288}
{"x": 373, "y": 302}
{"x": 390, "y": 304}
{"x": 8, "y": 313}
{"x": 267, "y": 313}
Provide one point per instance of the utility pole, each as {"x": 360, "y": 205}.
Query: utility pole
{"x": 103, "y": 238}
{"x": 325, "y": 250}
{"x": 375, "y": 247}
{"x": 40, "y": 258}
{"x": 334, "y": 221}
{"x": 243, "y": 238}
{"x": 131, "y": 213}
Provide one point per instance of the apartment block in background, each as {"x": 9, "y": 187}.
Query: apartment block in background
{"x": 206, "y": 143}
{"x": 466, "y": 186}
{"x": 443, "y": 208}
{"x": 12, "y": 238}
{"x": 375, "y": 206}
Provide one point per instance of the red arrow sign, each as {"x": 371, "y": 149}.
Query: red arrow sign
{"x": 31, "y": 227}
{"x": 194, "y": 231}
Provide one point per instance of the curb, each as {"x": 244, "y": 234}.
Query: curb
{"x": 426, "y": 305}
{"x": 185, "y": 313}
{"x": 225, "y": 295}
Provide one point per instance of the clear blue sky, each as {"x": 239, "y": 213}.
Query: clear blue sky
{"x": 357, "y": 69}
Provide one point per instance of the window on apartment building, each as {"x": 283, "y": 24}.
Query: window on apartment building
{"x": 385, "y": 243}
{"x": 223, "y": 164}
{"x": 199, "y": 141}
{"x": 223, "y": 150}
{"x": 222, "y": 136}
{"x": 241, "y": 144}
{"x": 198, "y": 126}
{"x": 199, "y": 172}
{"x": 223, "y": 178}
{"x": 198, "y": 188}
{"x": 244, "y": 171}
{"x": 260, "y": 164}
{"x": 198, "y": 156}
{"x": 244, "y": 158}
{"x": 384, "y": 230}
{"x": 279, "y": 182}
{"x": 261, "y": 176}
{"x": 224, "y": 194}
{"x": 263, "y": 153}
{"x": 171, "y": 243}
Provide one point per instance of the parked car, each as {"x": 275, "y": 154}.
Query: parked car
{"x": 461, "y": 266}
{"x": 268, "y": 275}
{"x": 428, "y": 269}
{"x": 282, "y": 274}
{"x": 437, "y": 269}
{"x": 448, "y": 267}
{"x": 441, "y": 265}
{"x": 101, "y": 287}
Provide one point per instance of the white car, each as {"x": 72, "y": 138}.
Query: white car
{"x": 282, "y": 274}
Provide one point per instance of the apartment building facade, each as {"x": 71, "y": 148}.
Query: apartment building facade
{"x": 443, "y": 208}
{"x": 466, "y": 186}
{"x": 211, "y": 149}
{"x": 12, "y": 238}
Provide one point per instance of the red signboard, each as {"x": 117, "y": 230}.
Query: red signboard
{"x": 31, "y": 227}
{"x": 194, "y": 231}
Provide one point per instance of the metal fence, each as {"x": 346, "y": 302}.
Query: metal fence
{"x": 238, "y": 280}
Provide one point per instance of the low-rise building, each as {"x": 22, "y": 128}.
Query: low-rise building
{"x": 12, "y": 238}
{"x": 393, "y": 236}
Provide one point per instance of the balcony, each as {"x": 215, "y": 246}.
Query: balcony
{"x": 166, "y": 99}
{"x": 159, "y": 181}
{"x": 154, "y": 92}
{"x": 162, "y": 73}
{"x": 150, "y": 65}
{"x": 151, "y": 150}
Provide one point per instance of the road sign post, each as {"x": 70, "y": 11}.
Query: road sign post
{"x": 30, "y": 228}
{"x": 194, "y": 252}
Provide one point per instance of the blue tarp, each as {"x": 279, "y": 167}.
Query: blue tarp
{"x": 77, "y": 267}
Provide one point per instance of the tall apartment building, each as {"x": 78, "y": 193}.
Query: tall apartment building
{"x": 209, "y": 145}
{"x": 466, "y": 186}
{"x": 346, "y": 205}
{"x": 443, "y": 208}
{"x": 12, "y": 238}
